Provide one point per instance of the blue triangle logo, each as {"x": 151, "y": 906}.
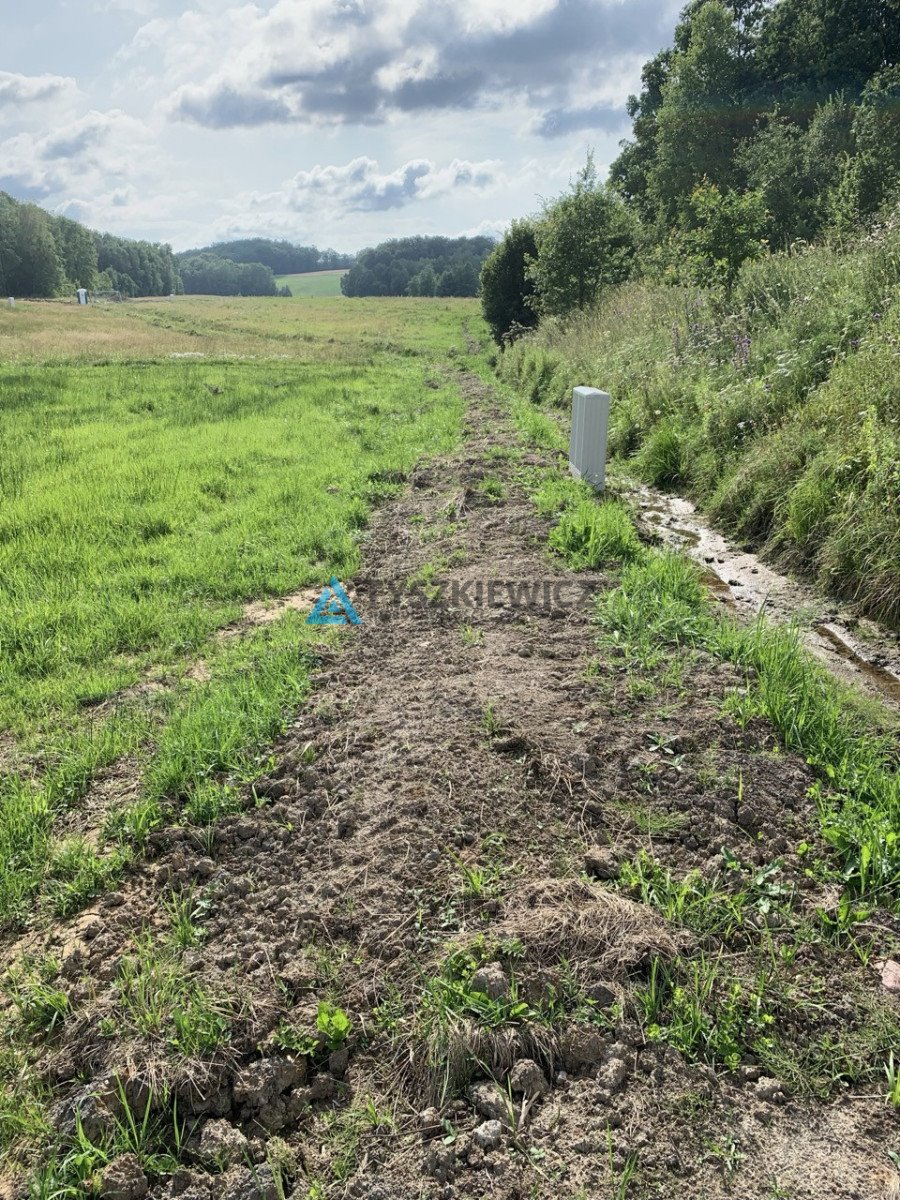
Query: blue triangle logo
{"x": 334, "y": 607}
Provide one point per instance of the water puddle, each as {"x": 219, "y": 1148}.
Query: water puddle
{"x": 855, "y": 649}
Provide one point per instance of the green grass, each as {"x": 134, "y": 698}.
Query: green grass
{"x": 661, "y": 605}
{"x": 144, "y": 505}
{"x": 312, "y": 283}
{"x": 775, "y": 406}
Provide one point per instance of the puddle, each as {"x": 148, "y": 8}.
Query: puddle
{"x": 857, "y": 650}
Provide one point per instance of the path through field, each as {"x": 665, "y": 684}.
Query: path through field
{"x": 430, "y": 856}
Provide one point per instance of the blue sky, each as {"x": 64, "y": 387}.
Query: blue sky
{"x": 334, "y": 122}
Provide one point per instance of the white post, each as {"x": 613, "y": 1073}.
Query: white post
{"x": 11, "y": 302}
{"x": 587, "y": 447}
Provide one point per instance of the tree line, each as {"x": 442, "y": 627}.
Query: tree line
{"x": 248, "y": 267}
{"x": 43, "y": 255}
{"x": 419, "y": 266}
{"x": 762, "y": 126}
{"x": 281, "y": 257}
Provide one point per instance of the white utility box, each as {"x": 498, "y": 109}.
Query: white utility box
{"x": 587, "y": 448}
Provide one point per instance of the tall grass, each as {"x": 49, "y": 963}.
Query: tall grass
{"x": 776, "y": 405}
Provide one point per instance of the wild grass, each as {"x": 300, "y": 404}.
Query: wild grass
{"x": 146, "y": 500}
{"x": 661, "y": 605}
{"x": 773, "y": 405}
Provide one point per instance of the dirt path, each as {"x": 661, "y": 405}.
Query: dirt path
{"x": 468, "y": 762}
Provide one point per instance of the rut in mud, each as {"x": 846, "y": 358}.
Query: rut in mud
{"x": 446, "y": 819}
{"x": 855, "y": 649}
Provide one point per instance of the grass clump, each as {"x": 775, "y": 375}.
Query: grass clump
{"x": 160, "y": 1001}
{"x": 588, "y": 533}
{"x": 591, "y": 535}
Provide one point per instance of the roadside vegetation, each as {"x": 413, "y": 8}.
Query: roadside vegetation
{"x": 733, "y": 287}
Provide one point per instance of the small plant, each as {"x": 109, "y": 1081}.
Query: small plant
{"x": 893, "y": 1078}
{"x": 186, "y": 910}
{"x": 590, "y": 534}
{"x": 472, "y": 636}
{"x": 40, "y": 1005}
{"x": 491, "y": 722}
{"x": 334, "y": 1025}
{"x": 293, "y": 1040}
{"x": 492, "y": 488}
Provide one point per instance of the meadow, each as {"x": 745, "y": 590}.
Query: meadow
{"x": 162, "y": 464}
{"x": 312, "y": 283}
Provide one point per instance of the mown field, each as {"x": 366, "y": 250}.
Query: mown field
{"x": 162, "y": 465}
{"x": 312, "y": 283}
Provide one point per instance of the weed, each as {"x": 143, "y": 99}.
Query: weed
{"x": 491, "y": 722}
{"x": 334, "y": 1025}
{"x": 472, "y": 636}
{"x": 41, "y": 1007}
{"x": 158, "y": 998}
{"x": 492, "y": 488}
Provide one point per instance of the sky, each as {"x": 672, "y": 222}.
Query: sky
{"x": 329, "y": 122}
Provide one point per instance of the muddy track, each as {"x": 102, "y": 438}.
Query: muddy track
{"x": 467, "y": 762}
{"x": 855, "y": 649}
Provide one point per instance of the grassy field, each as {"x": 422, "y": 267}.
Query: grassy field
{"x": 721, "y": 910}
{"x": 161, "y": 465}
{"x": 313, "y": 283}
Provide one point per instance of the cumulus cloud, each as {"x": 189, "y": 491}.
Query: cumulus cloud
{"x": 95, "y": 148}
{"x": 17, "y": 90}
{"x": 360, "y": 186}
{"x": 363, "y": 61}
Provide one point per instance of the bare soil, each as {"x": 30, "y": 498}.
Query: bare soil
{"x": 467, "y": 729}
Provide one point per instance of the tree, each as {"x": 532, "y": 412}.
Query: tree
{"x": 9, "y": 258}
{"x": 38, "y": 271}
{"x": 585, "y": 241}
{"x": 77, "y": 251}
{"x": 725, "y": 229}
{"x": 701, "y": 120}
{"x": 507, "y": 289}
{"x": 415, "y": 266}
{"x": 876, "y": 131}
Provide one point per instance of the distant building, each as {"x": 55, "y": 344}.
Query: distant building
{"x": 81, "y": 293}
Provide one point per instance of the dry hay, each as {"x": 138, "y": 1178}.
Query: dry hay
{"x": 602, "y": 933}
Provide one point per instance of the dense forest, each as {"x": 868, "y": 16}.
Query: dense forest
{"x": 205, "y": 274}
{"x": 44, "y": 255}
{"x": 282, "y": 258}
{"x": 763, "y": 126}
{"x": 734, "y": 284}
{"x": 419, "y": 266}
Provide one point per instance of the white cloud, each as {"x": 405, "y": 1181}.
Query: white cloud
{"x": 90, "y": 151}
{"x": 17, "y": 90}
{"x": 366, "y": 61}
{"x": 360, "y": 186}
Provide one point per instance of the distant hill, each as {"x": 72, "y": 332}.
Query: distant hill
{"x": 419, "y": 266}
{"x": 281, "y": 257}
